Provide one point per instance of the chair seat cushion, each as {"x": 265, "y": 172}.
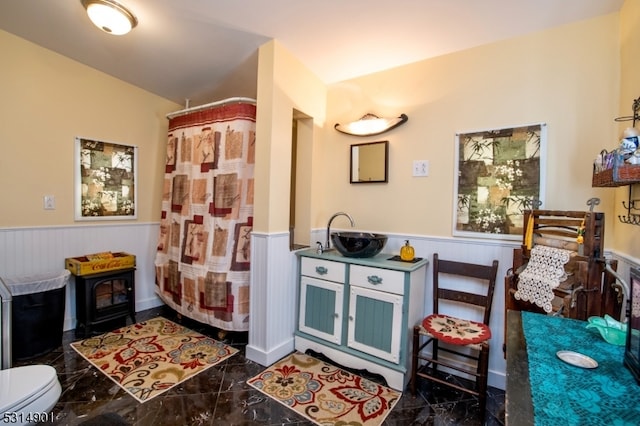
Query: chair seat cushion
{"x": 455, "y": 330}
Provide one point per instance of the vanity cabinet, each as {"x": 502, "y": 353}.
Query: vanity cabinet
{"x": 360, "y": 312}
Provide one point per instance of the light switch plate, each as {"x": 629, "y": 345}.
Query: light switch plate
{"x": 49, "y": 202}
{"x": 420, "y": 168}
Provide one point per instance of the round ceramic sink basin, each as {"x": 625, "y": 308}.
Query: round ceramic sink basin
{"x": 358, "y": 244}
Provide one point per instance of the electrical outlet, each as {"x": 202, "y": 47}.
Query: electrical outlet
{"x": 420, "y": 168}
{"x": 49, "y": 202}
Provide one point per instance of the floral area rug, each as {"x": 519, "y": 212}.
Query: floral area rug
{"x": 325, "y": 394}
{"x": 150, "y": 357}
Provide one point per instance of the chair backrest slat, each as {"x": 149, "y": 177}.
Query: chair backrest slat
{"x": 485, "y": 273}
{"x": 462, "y": 297}
{"x": 471, "y": 270}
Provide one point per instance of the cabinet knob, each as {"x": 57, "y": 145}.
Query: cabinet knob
{"x": 374, "y": 279}
{"x": 321, "y": 270}
{"x": 335, "y": 315}
{"x": 350, "y": 318}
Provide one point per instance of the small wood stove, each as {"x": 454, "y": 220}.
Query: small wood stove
{"x": 102, "y": 298}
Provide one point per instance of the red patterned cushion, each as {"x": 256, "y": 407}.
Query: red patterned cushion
{"x": 455, "y": 330}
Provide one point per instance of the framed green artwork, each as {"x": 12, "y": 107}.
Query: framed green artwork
{"x": 499, "y": 174}
{"x": 105, "y": 180}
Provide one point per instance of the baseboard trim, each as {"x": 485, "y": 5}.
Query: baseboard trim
{"x": 267, "y": 358}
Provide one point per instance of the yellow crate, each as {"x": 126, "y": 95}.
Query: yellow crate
{"x": 99, "y": 262}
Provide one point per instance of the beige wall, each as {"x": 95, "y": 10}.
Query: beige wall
{"x": 566, "y": 77}
{"x": 48, "y": 100}
{"x": 627, "y": 236}
{"x": 284, "y": 84}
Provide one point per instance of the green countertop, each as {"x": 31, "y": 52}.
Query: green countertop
{"x": 381, "y": 260}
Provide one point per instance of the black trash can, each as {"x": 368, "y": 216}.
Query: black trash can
{"x": 37, "y": 312}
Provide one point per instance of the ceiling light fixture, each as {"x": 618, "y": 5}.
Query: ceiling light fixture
{"x": 370, "y": 124}
{"x": 110, "y": 16}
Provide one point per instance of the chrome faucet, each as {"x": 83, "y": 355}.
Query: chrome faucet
{"x": 328, "y": 245}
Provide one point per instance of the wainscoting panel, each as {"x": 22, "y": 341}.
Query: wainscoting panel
{"x": 27, "y": 251}
{"x": 273, "y": 298}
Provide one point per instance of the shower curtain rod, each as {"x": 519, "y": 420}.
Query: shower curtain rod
{"x": 209, "y": 105}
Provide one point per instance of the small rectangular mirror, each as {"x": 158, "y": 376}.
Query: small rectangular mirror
{"x": 369, "y": 162}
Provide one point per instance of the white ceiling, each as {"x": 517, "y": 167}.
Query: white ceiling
{"x": 204, "y": 50}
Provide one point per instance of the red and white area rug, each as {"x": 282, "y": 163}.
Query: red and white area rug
{"x": 150, "y": 357}
{"x": 325, "y": 394}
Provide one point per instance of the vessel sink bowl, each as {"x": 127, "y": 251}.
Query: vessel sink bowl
{"x": 358, "y": 244}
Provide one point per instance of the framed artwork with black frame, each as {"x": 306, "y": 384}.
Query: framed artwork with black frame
{"x": 105, "y": 180}
{"x": 499, "y": 173}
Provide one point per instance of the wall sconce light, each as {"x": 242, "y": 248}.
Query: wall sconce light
{"x": 370, "y": 124}
{"x": 110, "y": 16}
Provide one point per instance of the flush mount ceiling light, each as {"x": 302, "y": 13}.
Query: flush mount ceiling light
{"x": 370, "y": 124}
{"x": 110, "y": 16}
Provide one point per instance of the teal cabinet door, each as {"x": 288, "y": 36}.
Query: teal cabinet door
{"x": 375, "y": 323}
{"x": 321, "y": 309}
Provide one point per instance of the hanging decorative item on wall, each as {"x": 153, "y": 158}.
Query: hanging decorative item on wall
{"x": 105, "y": 180}
{"x": 499, "y": 175}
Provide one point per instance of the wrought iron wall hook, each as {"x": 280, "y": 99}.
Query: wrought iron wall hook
{"x": 635, "y": 108}
{"x": 632, "y": 204}
{"x": 632, "y": 219}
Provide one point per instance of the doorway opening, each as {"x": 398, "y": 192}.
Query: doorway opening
{"x": 300, "y": 195}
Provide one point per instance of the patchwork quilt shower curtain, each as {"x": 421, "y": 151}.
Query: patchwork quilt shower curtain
{"x": 202, "y": 262}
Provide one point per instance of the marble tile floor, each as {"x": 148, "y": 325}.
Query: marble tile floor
{"x": 220, "y": 395}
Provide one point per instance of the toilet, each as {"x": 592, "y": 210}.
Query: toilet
{"x": 28, "y": 394}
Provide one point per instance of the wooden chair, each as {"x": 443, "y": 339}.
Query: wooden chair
{"x": 461, "y": 337}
